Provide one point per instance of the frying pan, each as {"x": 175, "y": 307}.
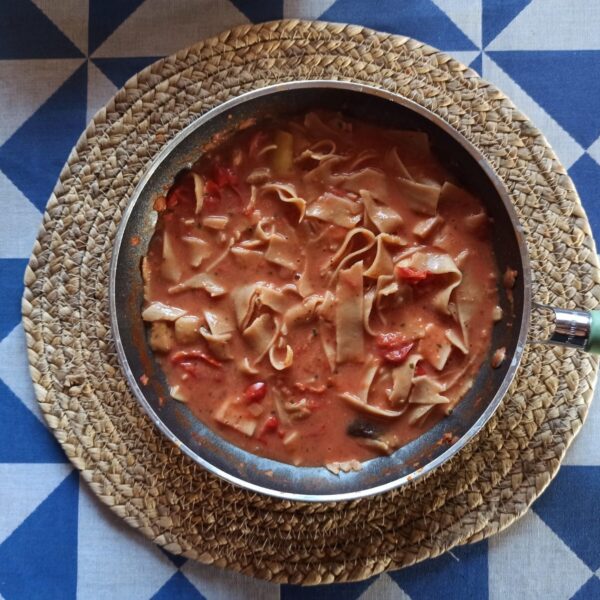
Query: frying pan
{"x": 423, "y": 454}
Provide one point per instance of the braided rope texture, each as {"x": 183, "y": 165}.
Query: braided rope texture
{"x": 154, "y": 487}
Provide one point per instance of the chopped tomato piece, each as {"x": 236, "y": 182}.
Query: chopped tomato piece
{"x": 160, "y": 204}
{"x": 410, "y": 275}
{"x": 255, "y": 392}
{"x": 390, "y": 340}
{"x": 225, "y": 176}
{"x": 189, "y": 355}
{"x": 398, "y": 355}
{"x": 270, "y": 425}
{"x": 211, "y": 188}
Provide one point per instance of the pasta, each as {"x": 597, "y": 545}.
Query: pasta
{"x": 320, "y": 291}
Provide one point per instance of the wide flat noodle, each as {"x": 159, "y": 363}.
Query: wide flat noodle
{"x": 197, "y": 249}
{"x": 281, "y": 356}
{"x": 278, "y": 299}
{"x": 394, "y": 162}
{"x": 349, "y": 315}
{"x": 421, "y": 197}
{"x": 437, "y": 264}
{"x": 261, "y": 335}
{"x": 384, "y": 218}
{"x": 369, "y": 299}
{"x": 244, "y": 302}
{"x": 200, "y": 281}
{"x": 335, "y": 209}
{"x": 327, "y": 337}
{"x": 157, "y": 311}
{"x": 284, "y": 253}
{"x": 170, "y": 268}
{"x": 372, "y": 180}
{"x": 370, "y": 409}
{"x": 219, "y": 323}
{"x": 361, "y": 237}
{"x": 426, "y": 390}
{"x": 287, "y": 193}
{"x": 402, "y": 378}
{"x": 382, "y": 263}
{"x": 425, "y": 228}
{"x": 319, "y": 151}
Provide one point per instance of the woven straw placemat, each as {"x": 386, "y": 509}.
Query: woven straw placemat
{"x": 148, "y": 481}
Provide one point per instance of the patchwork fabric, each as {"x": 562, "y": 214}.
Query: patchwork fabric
{"x": 60, "y": 61}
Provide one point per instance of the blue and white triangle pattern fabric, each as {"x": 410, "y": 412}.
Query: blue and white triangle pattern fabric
{"x": 60, "y": 61}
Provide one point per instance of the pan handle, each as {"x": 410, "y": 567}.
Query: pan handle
{"x": 571, "y": 328}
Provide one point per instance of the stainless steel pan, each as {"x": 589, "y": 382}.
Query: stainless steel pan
{"x": 423, "y": 454}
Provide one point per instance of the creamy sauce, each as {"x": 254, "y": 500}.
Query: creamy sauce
{"x": 299, "y": 414}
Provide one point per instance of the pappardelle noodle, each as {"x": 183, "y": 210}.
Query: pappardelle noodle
{"x": 319, "y": 290}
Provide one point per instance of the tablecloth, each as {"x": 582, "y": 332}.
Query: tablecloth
{"x": 60, "y": 61}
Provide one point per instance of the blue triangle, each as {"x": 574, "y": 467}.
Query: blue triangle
{"x": 105, "y": 16}
{"x": 177, "y": 560}
{"x": 39, "y": 558}
{"x": 119, "y": 70}
{"x": 477, "y": 64}
{"x": 12, "y": 271}
{"x": 23, "y": 438}
{"x": 497, "y": 15}
{"x": 265, "y": 10}
{"x": 178, "y": 587}
{"x": 586, "y": 175}
{"x": 26, "y": 32}
{"x": 422, "y": 20}
{"x": 347, "y": 591}
{"x": 46, "y": 139}
{"x": 590, "y": 590}
{"x": 570, "y": 506}
{"x": 449, "y": 577}
{"x": 564, "y": 83}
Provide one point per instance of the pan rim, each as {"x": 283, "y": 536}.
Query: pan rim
{"x": 488, "y": 171}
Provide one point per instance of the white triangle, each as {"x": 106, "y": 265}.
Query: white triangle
{"x": 466, "y": 57}
{"x": 143, "y": 32}
{"x": 465, "y": 15}
{"x": 70, "y": 16}
{"x": 100, "y": 90}
{"x": 113, "y": 560}
{"x": 305, "y": 9}
{"x": 552, "y": 25}
{"x": 24, "y": 487}
{"x": 567, "y": 149}
{"x": 530, "y": 551}
{"x": 585, "y": 449}
{"x": 20, "y": 221}
{"x": 594, "y": 152}
{"x": 384, "y": 587}
{"x": 14, "y": 369}
{"x": 26, "y": 85}
{"x": 217, "y": 584}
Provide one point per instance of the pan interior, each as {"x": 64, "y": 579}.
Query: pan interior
{"x": 272, "y": 477}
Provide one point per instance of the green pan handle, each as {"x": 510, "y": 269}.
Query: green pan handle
{"x": 574, "y": 328}
{"x": 593, "y": 344}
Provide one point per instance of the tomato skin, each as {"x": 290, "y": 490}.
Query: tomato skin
{"x": 390, "y": 340}
{"x": 398, "y": 355}
{"x": 255, "y": 392}
{"x": 410, "y": 275}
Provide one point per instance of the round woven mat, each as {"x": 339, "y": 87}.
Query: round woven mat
{"x": 148, "y": 481}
